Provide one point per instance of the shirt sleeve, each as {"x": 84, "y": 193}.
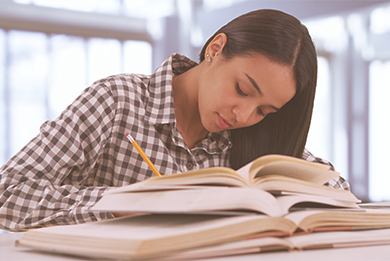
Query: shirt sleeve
{"x": 45, "y": 183}
{"x": 337, "y": 183}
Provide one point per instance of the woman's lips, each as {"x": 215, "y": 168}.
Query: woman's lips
{"x": 223, "y": 123}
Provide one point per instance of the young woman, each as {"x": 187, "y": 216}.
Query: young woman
{"x": 251, "y": 94}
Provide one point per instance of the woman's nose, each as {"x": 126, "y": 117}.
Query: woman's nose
{"x": 243, "y": 112}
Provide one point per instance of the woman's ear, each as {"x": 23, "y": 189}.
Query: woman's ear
{"x": 215, "y": 47}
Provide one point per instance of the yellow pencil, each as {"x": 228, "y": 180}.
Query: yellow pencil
{"x": 143, "y": 155}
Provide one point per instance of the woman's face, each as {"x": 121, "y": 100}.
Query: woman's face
{"x": 240, "y": 92}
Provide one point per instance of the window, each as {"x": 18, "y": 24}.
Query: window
{"x": 319, "y": 138}
{"x": 379, "y": 137}
{"x": 134, "y": 8}
{"x": 67, "y": 75}
{"x": 379, "y": 106}
{"x": 98, "y": 6}
{"x": 27, "y": 73}
{"x": 379, "y": 20}
{"x": 327, "y": 136}
{"x": 3, "y": 99}
{"x": 47, "y": 72}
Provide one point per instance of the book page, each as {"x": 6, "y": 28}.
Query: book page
{"x": 215, "y": 176}
{"x": 376, "y": 205}
{"x": 286, "y": 185}
{"x": 191, "y": 201}
{"x": 244, "y": 171}
{"x": 341, "y": 239}
{"x": 310, "y": 220}
{"x": 286, "y": 202}
{"x": 143, "y": 227}
{"x": 295, "y": 170}
{"x": 298, "y": 216}
{"x": 264, "y": 160}
{"x": 244, "y": 246}
{"x": 145, "y": 235}
{"x": 250, "y": 170}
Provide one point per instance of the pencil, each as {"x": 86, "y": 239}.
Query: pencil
{"x": 143, "y": 155}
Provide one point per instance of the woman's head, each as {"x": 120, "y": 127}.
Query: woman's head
{"x": 282, "y": 39}
{"x": 275, "y": 34}
{"x": 241, "y": 91}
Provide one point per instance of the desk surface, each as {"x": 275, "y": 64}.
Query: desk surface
{"x": 9, "y": 252}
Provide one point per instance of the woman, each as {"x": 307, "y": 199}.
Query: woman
{"x": 252, "y": 94}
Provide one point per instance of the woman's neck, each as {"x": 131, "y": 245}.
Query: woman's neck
{"x": 185, "y": 95}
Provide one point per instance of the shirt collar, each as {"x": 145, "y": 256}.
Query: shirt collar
{"x": 217, "y": 142}
{"x": 159, "y": 107}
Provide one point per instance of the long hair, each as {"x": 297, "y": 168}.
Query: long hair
{"x": 285, "y": 40}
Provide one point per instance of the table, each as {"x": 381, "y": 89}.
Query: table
{"x": 8, "y": 252}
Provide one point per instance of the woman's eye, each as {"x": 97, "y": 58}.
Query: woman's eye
{"x": 239, "y": 90}
{"x": 260, "y": 112}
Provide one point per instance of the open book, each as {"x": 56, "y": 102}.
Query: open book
{"x": 156, "y": 236}
{"x": 223, "y": 200}
{"x": 270, "y": 185}
{"x": 339, "y": 239}
{"x": 257, "y": 173}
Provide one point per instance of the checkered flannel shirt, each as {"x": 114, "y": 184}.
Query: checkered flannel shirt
{"x": 66, "y": 168}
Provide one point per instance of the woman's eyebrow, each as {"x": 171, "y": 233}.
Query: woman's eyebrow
{"x": 259, "y": 91}
{"x": 255, "y": 85}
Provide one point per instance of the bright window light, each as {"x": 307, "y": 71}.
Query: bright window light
{"x": 379, "y": 129}
{"x": 67, "y": 77}
{"x": 319, "y": 140}
{"x": 379, "y": 20}
{"x": 104, "y": 58}
{"x": 28, "y": 66}
{"x": 46, "y": 73}
{"x": 137, "y": 57}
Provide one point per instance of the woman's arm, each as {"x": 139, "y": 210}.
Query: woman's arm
{"x": 48, "y": 182}
{"x": 338, "y": 183}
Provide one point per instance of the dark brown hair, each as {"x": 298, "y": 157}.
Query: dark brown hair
{"x": 283, "y": 39}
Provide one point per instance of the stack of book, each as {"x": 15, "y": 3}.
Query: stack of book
{"x": 274, "y": 203}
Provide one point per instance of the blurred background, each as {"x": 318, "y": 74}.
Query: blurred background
{"x": 50, "y": 50}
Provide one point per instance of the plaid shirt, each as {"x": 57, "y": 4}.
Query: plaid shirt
{"x": 66, "y": 168}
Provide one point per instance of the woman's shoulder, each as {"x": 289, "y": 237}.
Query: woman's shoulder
{"x": 124, "y": 85}
{"x": 125, "y": 81}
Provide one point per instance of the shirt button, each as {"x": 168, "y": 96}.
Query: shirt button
{"x": 190, "y": 165}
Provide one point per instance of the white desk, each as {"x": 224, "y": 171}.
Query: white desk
{"x": 8, "y": 252}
